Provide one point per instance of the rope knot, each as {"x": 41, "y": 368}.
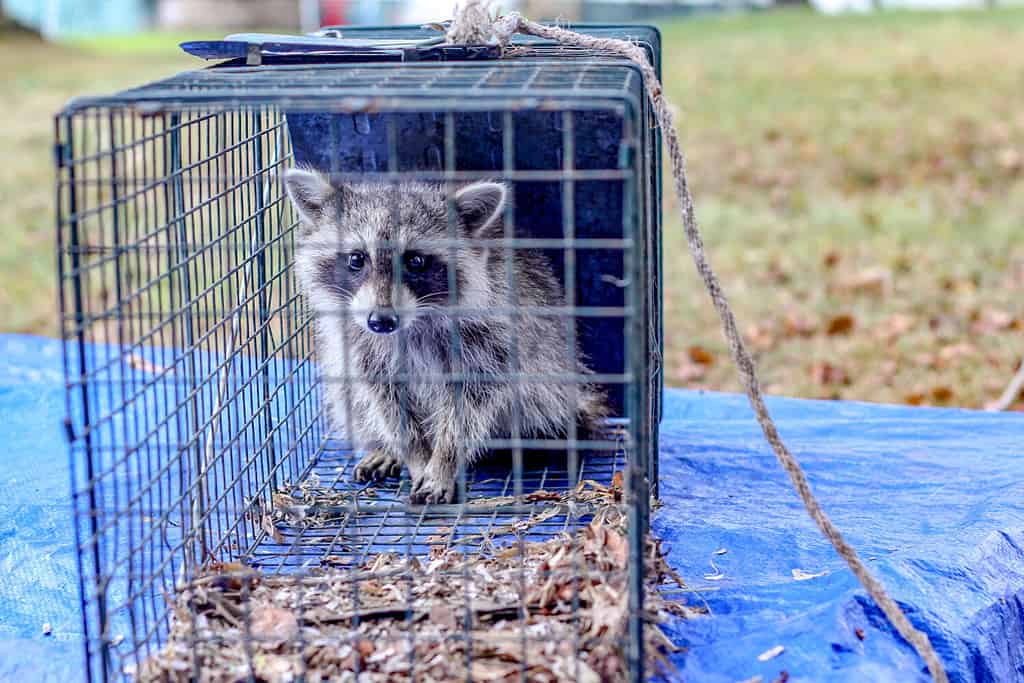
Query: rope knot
{"x": 473, "y": 24}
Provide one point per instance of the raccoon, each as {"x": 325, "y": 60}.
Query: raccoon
{"x": 419, "y": 335}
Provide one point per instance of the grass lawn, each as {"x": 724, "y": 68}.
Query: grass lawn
{"x": 859, "y": 180}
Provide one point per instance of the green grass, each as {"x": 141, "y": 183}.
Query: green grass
{"x": 862, "y": 166}
{"x": 41, "y": 78}
{"x": 865, "y": 166}
{"x": 165, "y": 43}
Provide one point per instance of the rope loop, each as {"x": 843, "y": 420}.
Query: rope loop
{"x": 473, "y": 24}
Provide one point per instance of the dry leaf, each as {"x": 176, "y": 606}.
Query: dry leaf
{"x": 894, "y": 327}
{"x": 273, "y": 667}
{"x": 491, "y": 670}
{"x": 887, "y": 373}
{"x": 915, "y": 399}
{"x": 273, "y": 624}
{"x": 229, "y": 568}
{"x": 365, "y": 647}
{"x": 762, "y": 337}
{"x": 267, "y": 524}
{"x": 687, "y": 371}
{"x": 945, "y": 326}
{"x": 717, "y": 576}
{"x": 137, "y": 362}
{"x": 1010, "y": 160}
{"x": 841, "y": 324}
{"x": 701, "y": 356}
{"x": 831, "y": 259}
{"x": 948, "y": 355}
{"x": 825, "y": 373}
{"x": 990, "y": 321}
{"x": 444, "y": 617}
{"x": 876, "y": 281}
{"x": 942, "y": 394}
{"x": 801, "y": 575}
{"x": 776, "y": 274}
{"x": 797, "y": 325}
{"x": 771, "y": 654}
{"x": 607, "y": 619}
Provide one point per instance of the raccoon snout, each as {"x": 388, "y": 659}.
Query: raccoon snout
{"x": 383, "y": 322}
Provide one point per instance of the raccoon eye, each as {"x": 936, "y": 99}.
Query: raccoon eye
{"x": 356, "y": 260}
{"x": 416, "y": 263}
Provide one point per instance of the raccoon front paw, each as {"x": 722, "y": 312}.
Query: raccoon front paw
{"x": 431, "y": 489}
{"x": 377, "y": 465}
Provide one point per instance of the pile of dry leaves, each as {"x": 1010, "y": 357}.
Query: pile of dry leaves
{"x": 555, "y": 610}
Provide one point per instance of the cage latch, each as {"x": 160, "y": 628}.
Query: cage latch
{"x": 253, "y": 54}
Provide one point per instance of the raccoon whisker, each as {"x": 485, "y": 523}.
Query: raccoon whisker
{"x": 429, "y": 298}
{"x": 337, "y": 289}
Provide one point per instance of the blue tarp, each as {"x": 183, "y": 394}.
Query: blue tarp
{"x": 933, "y": 499}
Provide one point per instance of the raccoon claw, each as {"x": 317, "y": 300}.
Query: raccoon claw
{"x": 427, "y": 491}
{"x": 377, "y": 465}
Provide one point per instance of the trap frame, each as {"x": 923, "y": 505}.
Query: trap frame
{"x": 197, "y": 434}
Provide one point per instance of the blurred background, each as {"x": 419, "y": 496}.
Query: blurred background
{"x": 857, "y": 165}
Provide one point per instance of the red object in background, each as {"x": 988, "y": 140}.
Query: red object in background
{"x": 332, "y": 12}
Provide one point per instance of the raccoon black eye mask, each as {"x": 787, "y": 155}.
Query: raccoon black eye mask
{"x": 376, "y": 265}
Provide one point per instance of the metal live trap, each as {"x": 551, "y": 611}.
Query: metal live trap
{"x": 201, "y": 450}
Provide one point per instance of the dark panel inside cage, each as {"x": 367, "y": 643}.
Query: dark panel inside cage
{"x": 408, "y": 143}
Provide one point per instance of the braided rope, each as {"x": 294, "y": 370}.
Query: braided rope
{"x": 473, "y": 24}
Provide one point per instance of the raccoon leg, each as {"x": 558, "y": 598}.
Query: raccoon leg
{"x": 459, "y": 429}
{"x": 591, "y": 412}
{"x": 377, "y": 465}
{"x": 436, "y": 485}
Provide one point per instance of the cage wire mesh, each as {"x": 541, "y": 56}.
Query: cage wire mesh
{"x": 205, "y": 463}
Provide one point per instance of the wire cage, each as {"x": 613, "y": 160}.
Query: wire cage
{"x": 203, "y": 449}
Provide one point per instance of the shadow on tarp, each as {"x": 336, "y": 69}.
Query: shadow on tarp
{"x": 933, "y": 499}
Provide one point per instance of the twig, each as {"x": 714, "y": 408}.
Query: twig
{"x": 1011, "y": 393}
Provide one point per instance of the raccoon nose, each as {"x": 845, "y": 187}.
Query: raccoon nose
{"x": 383, "y": 322}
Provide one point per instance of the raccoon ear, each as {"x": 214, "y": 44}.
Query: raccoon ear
{"x": 311, "y": 192}
{"x": 480, "y": 206}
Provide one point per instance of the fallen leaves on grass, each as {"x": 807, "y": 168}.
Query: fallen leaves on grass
{"x": 994, "y": 321}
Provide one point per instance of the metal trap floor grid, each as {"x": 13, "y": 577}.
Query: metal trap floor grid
{"x": 328, "y": 520}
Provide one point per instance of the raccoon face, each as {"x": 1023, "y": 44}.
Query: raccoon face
{"x": 381, "y": 255}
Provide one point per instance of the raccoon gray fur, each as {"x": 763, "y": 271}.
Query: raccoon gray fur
{"x": 411, "y": 380}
